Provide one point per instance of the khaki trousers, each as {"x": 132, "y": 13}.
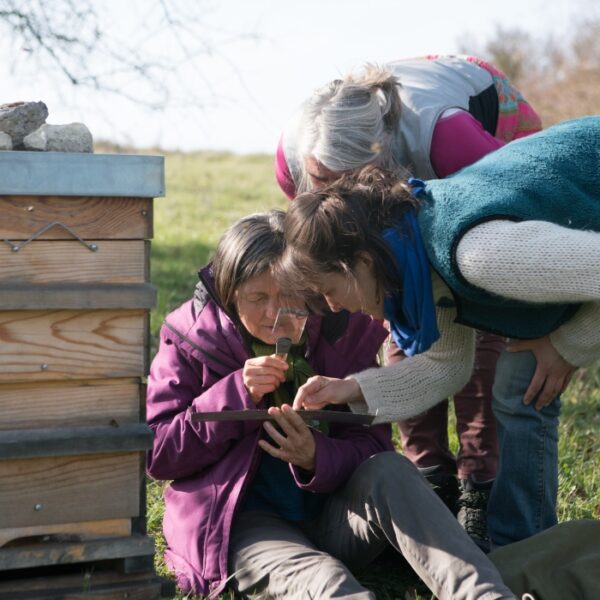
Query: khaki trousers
{"x": 385, "y": 502}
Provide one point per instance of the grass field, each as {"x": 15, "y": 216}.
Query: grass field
{"x": 208, "y": 192}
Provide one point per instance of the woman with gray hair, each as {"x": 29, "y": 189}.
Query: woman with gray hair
{"x": 284, "y": 509}
{"x": 431, "y": 116}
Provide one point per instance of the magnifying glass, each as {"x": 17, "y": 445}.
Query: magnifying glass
{"x": 288, "y": 329}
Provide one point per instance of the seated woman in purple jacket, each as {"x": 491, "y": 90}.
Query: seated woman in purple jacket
{"x": 284, "y": 509}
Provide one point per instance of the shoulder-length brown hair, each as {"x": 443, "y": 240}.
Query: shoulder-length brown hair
{"x": 248, "y": 248}
{"x": 326, "y": 229}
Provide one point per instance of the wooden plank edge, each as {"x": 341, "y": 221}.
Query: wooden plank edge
{"x": 26, "y": 173}
{"x": 59, "y": 553}
{"x": 143, "y": 590}
{"x": 83, "y": 530}
{"x": 46, "y": 442}
{"x": 77, "y": 296}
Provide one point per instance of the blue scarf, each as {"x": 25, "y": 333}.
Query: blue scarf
{"x": 411, "y": 310}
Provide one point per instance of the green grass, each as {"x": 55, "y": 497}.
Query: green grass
{"x": 206, "y": 193}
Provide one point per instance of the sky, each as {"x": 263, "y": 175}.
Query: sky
{"x": 267, "y": 56}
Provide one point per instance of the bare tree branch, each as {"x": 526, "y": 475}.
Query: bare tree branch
{"x": 73, "y": 39}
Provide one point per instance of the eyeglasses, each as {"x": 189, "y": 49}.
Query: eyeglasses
{"x": 290, "y": 323}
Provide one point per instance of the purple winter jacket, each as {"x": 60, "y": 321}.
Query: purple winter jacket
{"x": 198, "y": 367}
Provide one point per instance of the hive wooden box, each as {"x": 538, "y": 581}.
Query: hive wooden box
{"x": 74, "y": 311}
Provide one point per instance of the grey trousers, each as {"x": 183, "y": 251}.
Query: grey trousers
{"x": 385, "y": 502}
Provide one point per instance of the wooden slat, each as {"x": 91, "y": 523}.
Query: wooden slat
{"x": 93, "y": 582}
{"x": 69, "y": 344}
{"x": 36, "y": 555}
{"x": 66, "y": 441}
{"x": 70, "y": 261}
{"x": 69, "y": 404}
{"x": 68, "y": 489}
{"x": 86, "y": 530}
{"x": 80, "y": 174}
{"x": 143, "y": 590}
{"x": 89, "y": 217}
{"x": 77, "y": 296}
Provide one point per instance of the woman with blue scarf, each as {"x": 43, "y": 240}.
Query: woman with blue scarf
{"x": 509, "y": 245}
{"x": 432, "y": 115}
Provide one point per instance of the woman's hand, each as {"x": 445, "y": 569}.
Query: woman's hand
{"x": 319, "y": 391}
{"x": 263, "y": 374}
{"x": 296, "y": 443}
{"x": 552, "y": 373}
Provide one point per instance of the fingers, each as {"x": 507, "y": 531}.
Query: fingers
{"x": 544, "y": 387}
{"x": 552, "y": 388}
{"x": 307, "y": 395}
{"x": 536, "y": 384}
{"x": 288, "y": 419}
{"x": 277, "y": 437}
{"x": 295, "y": 440}
{"x": 260, "y": 385}
{"x": 547, "y": 385}
{"x": 319, "y": 391}
{"x": 552, "y": 373}
{"x": 290, "y": 423}
{"x": 263, "y": 374}
{"x": 264, "y": 365}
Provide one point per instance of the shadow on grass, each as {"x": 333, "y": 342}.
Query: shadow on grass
{"x": 390, "y": 577}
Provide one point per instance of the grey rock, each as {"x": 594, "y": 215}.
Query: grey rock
{"x": 5, "y": 141}
{"x": 74, "y": 137}
{"x": 36, "y": 140}
{"x": 18, "y": 119}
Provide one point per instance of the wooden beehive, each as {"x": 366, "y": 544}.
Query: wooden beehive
{"x": 74, "y": 308}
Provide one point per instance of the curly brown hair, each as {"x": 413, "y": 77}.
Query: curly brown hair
{"x": 326, "y": 229}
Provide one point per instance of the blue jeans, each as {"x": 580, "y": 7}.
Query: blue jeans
{"x": 523, "y": 497}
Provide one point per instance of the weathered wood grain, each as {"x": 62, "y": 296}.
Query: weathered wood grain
{"x": 70, "y": 344}
{"x": 85, "y": 530}
{"x": 70, "y": 261}
{"x": 96, "y": 583}
{"x": 68, "y": 553}
{"x": 77, "y": 295}
{"x": 56, "y": 490}
{"x": 69, "y": 404}
{"x": 89, "y": 217}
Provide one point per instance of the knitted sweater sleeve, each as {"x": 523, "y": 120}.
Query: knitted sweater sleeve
{"x": 417, "y": 383}
{"x": 537, "y": 261}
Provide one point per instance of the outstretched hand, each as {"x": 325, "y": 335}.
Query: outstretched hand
{"x": 319, "y": 391}
{"x": 295, "y": 442}
{"x": 552, "y": 373}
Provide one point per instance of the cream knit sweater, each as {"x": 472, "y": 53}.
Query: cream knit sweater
{"x": 533, "y": 261}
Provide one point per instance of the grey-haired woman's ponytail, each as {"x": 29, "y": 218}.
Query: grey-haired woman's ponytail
{"x": 351, "y": 122}
{"x": 382, "y": 82}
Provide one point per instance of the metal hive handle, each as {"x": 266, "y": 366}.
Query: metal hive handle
{"x": 16, "y": 247}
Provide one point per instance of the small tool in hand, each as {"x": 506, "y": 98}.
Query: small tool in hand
{"x": 282, "y": 347}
